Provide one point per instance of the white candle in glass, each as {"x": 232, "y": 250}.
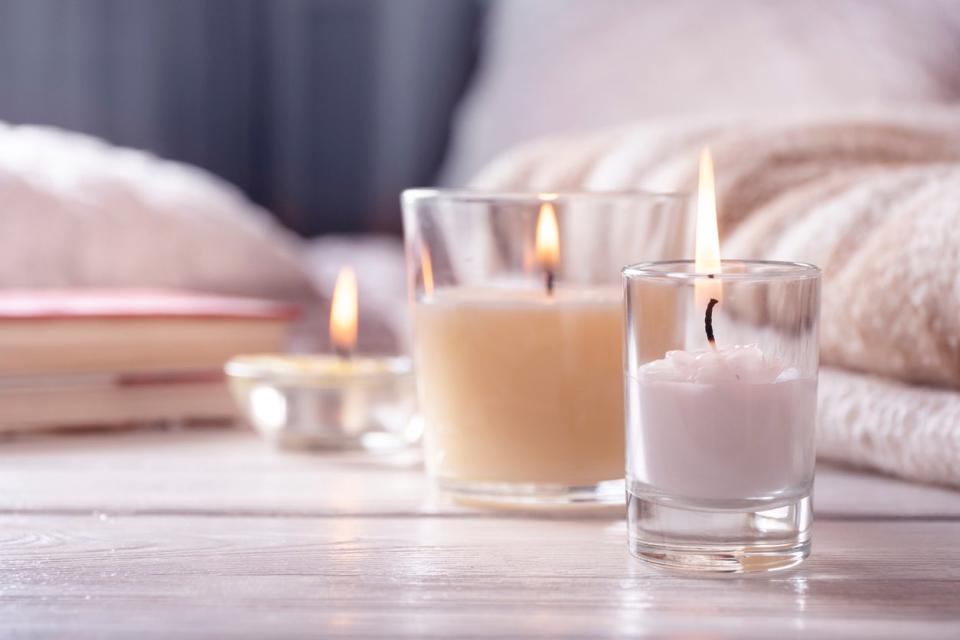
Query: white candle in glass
{"x": 722, "y": 423}
{"x": 725, "y": 424}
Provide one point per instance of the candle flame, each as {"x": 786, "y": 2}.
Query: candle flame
{"x": 548, "y": 238}
{"x": 344, "y": 312}
{"x": 426, "y": 270}
{"x": 708, "y": 237}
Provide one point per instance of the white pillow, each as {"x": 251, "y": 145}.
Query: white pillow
{"x": 75, "y": 211}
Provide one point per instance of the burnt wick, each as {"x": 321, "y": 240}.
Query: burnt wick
{"x": 551, "y": 281}
{"x": 342, "y": 353}
{"x": 708, "y": 322}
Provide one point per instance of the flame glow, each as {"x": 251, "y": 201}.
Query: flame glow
{"x": 708, "y": 237}
{"x": 426, "y": 270}
{"x": 548, "y": 237}
{"x": 344, "y": 312}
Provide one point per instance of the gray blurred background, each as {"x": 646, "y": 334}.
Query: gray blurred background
{"x": 323, "y": 110}
{"x": 320, "y": 110}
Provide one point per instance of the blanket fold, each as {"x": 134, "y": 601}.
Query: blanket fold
{"x": 870, "y": 422}
{"x": 874, "y": 200}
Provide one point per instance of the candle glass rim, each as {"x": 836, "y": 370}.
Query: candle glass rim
{"x": 267, "y": 367}
{"x": 419, "y": 194}
{"x": 752, "y": 270}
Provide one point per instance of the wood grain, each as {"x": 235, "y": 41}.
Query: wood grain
{"x": 231, "y": 471}
{"x": 201, "y": 534}
{"x": 139, "y": 576}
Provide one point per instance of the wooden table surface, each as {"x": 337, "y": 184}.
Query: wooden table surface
{"x": 212, "y": 534}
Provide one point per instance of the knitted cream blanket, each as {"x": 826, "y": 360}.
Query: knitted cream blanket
{"x": 874, "y": 200}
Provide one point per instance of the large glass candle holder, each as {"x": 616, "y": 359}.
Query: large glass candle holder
{"x": 517, "y": 336}
{"x": 720, "y": 426}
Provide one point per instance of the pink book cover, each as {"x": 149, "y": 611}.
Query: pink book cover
{"x": 53, "y": 304}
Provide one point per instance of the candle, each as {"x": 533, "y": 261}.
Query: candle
{"x": 338, "y": 401}
{"x": 727, "y": 425}
{"x": 522, "y": 385}
{"x": 707, "y": 413}
{"x": 518, "y": 325}
{"x": 720, "y": 447}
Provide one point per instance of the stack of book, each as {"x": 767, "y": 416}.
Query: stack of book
{"x": 85, "y": 357}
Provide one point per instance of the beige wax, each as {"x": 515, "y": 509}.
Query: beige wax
{"x": 518, "y": 386}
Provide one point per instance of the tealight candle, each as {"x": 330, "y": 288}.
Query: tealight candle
{"x": 720, "y": 432}
{"x": 517, "y": 337}
{"x": 337, "y": 401}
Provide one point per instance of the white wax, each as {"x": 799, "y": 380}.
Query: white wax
{"x": 725, "y": 424}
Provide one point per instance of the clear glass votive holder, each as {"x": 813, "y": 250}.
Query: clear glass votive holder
{"x": 720, "y": 432}
{"x": 518, "y": 322}
{"x": 327, "y": 402}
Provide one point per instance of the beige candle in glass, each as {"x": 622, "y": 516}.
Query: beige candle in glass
{"x": 520, "y": 375}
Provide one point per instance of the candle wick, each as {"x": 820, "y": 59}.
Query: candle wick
{"x": 708, "y": 322}
{"x": 343, "y": 353}
{"x": 551, "y": 281}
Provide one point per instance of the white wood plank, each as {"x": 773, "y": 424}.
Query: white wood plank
{"x": 229, "y": 577}
{"x": 233, "y": 471}
{"x": 216, "y": 470}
